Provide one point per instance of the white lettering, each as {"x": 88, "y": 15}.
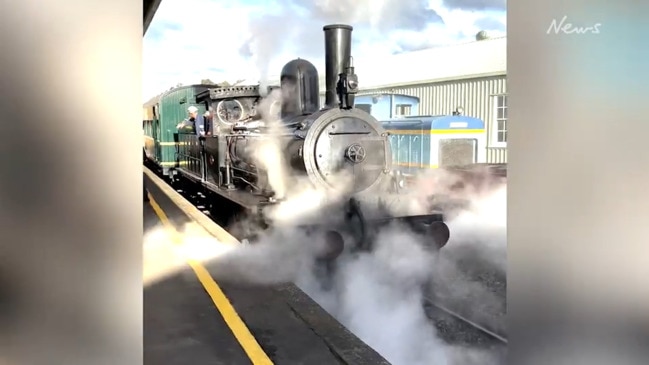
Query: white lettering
{"x": 568, "y": 28}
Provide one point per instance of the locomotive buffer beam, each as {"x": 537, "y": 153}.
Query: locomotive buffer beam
{"x": 330, "y": 242}
{"x": 430, "y": 226}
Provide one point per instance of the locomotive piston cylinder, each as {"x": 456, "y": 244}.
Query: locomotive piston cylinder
{"x": 338, "y": 49}
{"x": 439, "y": 233}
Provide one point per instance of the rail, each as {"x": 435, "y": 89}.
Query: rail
{"x": 493, "y": 334}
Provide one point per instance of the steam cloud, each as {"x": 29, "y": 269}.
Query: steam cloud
{"x": 297, "y": 192}
{"x": 269, "y": 155}
{"x": 375, "y": 295}
{"x": 378, "y": 295}
{"x": 269, "y": 35}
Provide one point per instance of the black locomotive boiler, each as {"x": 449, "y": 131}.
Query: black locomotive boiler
{"x": 337, "y": 149}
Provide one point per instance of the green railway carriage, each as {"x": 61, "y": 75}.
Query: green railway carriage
{"x": 161, "y": 116}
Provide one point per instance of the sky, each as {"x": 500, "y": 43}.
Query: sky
{"x": 228, "y": 40}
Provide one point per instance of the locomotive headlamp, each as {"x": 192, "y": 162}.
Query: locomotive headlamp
{"x": 458, "y": 111}
{"x": 347, "y": 88}
{"x": 352, "y": 83}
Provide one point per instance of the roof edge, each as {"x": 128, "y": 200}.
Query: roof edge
{"x": 432, "y": 81}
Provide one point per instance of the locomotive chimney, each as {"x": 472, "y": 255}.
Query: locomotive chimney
{"x": 338, "y": 48}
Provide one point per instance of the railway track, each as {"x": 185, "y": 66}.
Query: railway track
{"x": 493, "y": 337}
{"x": 474, "y": 343}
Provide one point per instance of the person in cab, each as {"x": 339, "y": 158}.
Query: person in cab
{"x": 195, "y": 122}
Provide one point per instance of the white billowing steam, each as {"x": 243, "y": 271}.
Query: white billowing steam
{"x": 300, "y": 197}
{"x": 482, "y": 224}
{"x": 269, "y": 152}
{"x": 395, "y": 20}
{"x": 470, "y": 274}
{"x": 279, "y": 257}
{"x": 484, "y": 227}
{"x": 378, "y": 296}
{"x": 165, "y": 253}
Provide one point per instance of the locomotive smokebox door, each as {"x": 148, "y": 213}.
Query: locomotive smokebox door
{"x": 349, "y": 152}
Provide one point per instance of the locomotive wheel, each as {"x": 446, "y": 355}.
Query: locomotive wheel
{"x": 333, "y": 246}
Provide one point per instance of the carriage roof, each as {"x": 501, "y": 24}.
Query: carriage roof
{"x": 434, "y": 122}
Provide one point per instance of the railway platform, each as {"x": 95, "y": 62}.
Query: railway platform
{"x": 191, "y": 319}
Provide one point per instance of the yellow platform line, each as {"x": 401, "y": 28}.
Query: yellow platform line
{"x": 247, "y": 341}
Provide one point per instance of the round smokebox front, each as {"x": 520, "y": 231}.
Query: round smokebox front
{"x": 345, "y": 150}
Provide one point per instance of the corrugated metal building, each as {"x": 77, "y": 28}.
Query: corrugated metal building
{"x": 471, "y": 75}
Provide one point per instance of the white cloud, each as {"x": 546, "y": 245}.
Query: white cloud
{"x": 190, "y": 40}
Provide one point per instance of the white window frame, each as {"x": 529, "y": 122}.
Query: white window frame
{"x": 408, "y": 108}
{"x": 493, "y": 130}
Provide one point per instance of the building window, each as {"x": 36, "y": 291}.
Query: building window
{"x": 403, "y": 110}
{"x": 365, "y": 107}
{"x": 499, "y": 130}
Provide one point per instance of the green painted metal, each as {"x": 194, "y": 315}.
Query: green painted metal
{"x": 171, "y": 109}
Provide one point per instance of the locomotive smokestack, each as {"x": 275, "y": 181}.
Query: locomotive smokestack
{"x": 338, "y": 49}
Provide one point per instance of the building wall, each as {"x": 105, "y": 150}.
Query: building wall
{"x": 476, "y": 95}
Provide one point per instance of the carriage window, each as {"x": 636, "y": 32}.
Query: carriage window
{"x": 403, "y": 110}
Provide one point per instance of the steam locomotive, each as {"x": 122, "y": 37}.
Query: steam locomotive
{"x": 337, "y": 149}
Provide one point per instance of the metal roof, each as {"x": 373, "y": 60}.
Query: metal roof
{"x": 154, "y": 100}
